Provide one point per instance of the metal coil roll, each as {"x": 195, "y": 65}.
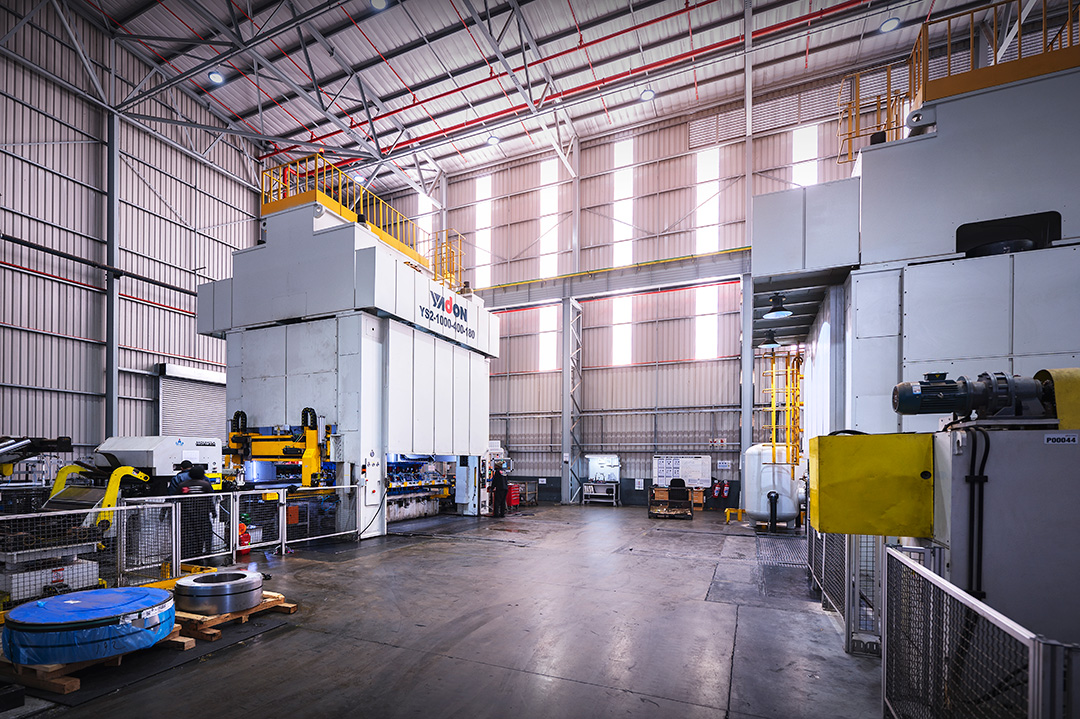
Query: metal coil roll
{"x": 218, "y": 592}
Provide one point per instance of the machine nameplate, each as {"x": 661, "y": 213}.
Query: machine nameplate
{"x": 1061, "y": 438}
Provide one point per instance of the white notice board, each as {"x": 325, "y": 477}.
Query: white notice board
{"x": 695, "y": 470}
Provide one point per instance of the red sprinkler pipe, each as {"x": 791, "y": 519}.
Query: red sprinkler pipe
{"x": 731, "y": 42}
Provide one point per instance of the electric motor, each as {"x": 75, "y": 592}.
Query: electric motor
{"x": 990, "y": 394}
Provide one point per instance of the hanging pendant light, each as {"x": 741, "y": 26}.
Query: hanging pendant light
{"x": 777, "y": 310}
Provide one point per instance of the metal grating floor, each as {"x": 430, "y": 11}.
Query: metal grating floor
{"x": 782, "y": 551}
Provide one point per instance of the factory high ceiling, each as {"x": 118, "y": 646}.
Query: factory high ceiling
{"x": 423, "y": 87}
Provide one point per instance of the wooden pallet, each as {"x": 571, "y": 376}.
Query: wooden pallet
{"x": 55, "y": 677}
{"x": 202, "y": 626}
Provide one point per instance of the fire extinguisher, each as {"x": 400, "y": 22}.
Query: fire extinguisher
{"x": 716, "y": 491}
{"x": 727, "y": 489}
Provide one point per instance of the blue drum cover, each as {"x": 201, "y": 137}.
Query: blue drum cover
{"x": 82, "y": 626}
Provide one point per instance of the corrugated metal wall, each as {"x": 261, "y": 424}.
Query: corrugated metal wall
{"x": 664, "y": 401}
{"x": 180, "y": 221}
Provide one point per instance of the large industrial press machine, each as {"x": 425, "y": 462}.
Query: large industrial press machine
{"x": 994, "y": 493}
{"x": 336, "y": 324}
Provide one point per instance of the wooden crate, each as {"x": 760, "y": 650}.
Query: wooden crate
{"x": 55, "y": 677}
{"x": 202, "y": 626}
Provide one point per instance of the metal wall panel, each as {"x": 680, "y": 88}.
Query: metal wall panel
{"x": 179, "y": 223}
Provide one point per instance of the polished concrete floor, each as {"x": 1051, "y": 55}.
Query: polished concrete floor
{"x": 558, "y": 612}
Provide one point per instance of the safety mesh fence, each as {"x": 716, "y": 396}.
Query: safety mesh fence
{"x": 46, "y": 554}
{"x": 867, "y": 551}
{"x": 260, "y": 518}
{"x": 834, "y": 573}
{"x": 317, "y": 513}
{"x": 944, "y": 656}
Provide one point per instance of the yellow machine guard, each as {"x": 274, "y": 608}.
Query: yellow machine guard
{"x": 873, "y": 484}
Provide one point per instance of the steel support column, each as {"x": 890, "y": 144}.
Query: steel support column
{"x": 571, "y": 400}
{"x": 112, "y": 281}
{"x": 575, "y": 209}
{"x": 746, "y": 424}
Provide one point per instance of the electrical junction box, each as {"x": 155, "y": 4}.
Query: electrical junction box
{"x": 873, "y": 484}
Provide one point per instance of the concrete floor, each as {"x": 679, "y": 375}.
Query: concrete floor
{"x": 568, "y": 612}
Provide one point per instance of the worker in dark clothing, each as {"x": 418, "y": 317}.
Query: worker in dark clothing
{"x": 182, "y": 476}
{"x": 196, "y": 531}
{"x": 499, "y": 486}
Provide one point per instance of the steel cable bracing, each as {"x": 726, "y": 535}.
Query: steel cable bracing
{"x": 491, "y": 70}
{"x": 690, "y": 29}
{"x": 167, "y": 62}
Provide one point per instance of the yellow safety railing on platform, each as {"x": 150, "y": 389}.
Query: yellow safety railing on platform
{"x": 1006, "y": 60}
{"x": 447, "y": 258}
{"x": 1058, "y": 48}
{"x": 785, "y": 401}
{"x": 316, "y": 179}
{"x": 864, "y": 113}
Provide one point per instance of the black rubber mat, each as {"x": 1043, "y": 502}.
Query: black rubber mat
{"x": 101, "y": 680}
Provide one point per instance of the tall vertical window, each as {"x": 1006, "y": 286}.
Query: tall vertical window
{"x": 706, "y": 322}
{"x": 622, "y": 314}
{"x": 548, "y": 327}
{"x": 707, "y": 201}
{"x": 804, "y": 155}
{"x": 622, "y": 249}
{"x": 424, "y": 206}
{"x": 549, "y": 218}
{"x": 482, "y": 272}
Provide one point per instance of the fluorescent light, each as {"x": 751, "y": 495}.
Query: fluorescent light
{"x": 647, "y": 94}
{"x": 890, "y": 25}
{"x": 493, "y": 140}
{"x": 379, "y": 4}
{"x": 216, "y": 77}
{"x": 770, "y": 342}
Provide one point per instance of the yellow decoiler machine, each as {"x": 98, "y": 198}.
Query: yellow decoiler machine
{"x": 997, "y": 490}
{"x": 340, "y": 310}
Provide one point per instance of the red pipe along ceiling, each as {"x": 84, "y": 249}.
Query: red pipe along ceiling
{"x": 514, "y": 110}
{"x": 580, "y": 47}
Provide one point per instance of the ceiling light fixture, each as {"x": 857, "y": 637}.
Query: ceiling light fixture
{"x": 216, "y": 77}
{"x": 647, "y": 94}
{"x": 777, "y": 311}
{"x": 379, "y": 4}
{"x": 493, "y": 140}
{"x": 770, "y": 342}
{"x": 889, "y": 25}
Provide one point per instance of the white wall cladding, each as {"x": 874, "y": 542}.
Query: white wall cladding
{"x": 180, "y": 221}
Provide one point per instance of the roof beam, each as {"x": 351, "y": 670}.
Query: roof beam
{"x": 244, "y": 47}
{"x": 525, "y": 94}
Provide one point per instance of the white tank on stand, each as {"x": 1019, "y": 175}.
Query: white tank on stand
{"x": 763, "y": 476}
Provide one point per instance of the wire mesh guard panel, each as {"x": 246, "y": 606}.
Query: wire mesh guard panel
{"x": 261, "y": 519}
{"x": 834, "y": 573}
{"x": 205, "y": 525}
{"x": 814, "y": 553}
{"x": 47, "y": 554}
{"x": 320, "y": 513}
{"x": 943, "y": 659}
{"x": 145, "y": 534}
{"x": 867, "y": 582}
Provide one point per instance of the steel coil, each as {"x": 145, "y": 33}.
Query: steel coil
{"x": 218, "y": 592}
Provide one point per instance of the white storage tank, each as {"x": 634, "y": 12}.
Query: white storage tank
{"x": 763, "y": 476}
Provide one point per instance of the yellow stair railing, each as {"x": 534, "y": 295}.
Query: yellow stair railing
{"x": 316, "y": 179}
{"x": 864, "y": 113}
{"x": 447, "y": 258}
{"x": 785, "y": 399}
{"x": 1058, "y": 48}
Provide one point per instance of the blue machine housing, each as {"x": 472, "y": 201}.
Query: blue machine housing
{"x": 82, "y": 626}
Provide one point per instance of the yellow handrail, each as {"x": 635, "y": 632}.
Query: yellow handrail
{"x": 788, "y": 400}
{"x": 1058, "y": 50}
{"x": 317, "y": 175}
{"x": 447, "y": 258}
